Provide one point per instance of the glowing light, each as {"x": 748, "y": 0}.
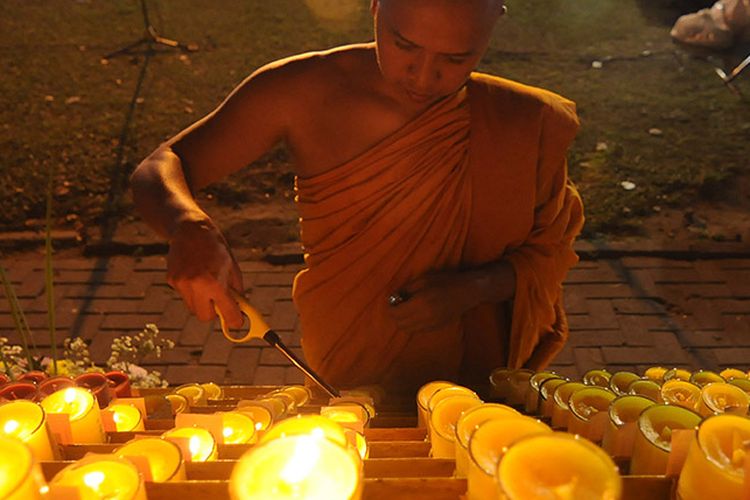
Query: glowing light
{"x": 228, "y": 431}
{"x": 70, "y": 395}
{"x": 11, "y": 426}
{"x": 306, "y": 455}
{"x": 194, "y": 446}
{"x": 94, "y": 479}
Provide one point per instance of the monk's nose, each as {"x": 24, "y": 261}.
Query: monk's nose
{"x": 423, "y": 73}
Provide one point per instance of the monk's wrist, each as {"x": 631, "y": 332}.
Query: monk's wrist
{"x": 492, "y": 283}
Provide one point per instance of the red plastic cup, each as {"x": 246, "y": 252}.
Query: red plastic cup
{"x": 19, "y": 390}
{"x": 98, "y": 384}
{"x": 119, "y": 382}
{"x": 54, "y": 384}
{"x": 34, "y": 376}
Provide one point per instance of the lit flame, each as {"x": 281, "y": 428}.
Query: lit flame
{"x": 94, "y": 479}
{"x": 70, "y": 395}
{"x": 258, "y": 426}
{"x": 11, "y": 426}
{"x": 228, "y": 431}
{"x": 194, "y": 446}
{"x": 303, "y": 461}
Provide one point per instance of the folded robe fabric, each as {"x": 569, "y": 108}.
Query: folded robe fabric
{"x": 477, "y": 177}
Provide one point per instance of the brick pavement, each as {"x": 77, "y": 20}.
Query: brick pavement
{"x": 625, "y": 313}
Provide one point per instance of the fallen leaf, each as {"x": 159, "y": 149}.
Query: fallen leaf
{"x": 73, "y": 99}
{"x": 628, "y": 185}
{"x": 655, "y": 132}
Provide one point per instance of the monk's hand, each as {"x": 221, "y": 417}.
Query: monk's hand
{"x": 431, "y": 302}
{"x": 201, "y": 268}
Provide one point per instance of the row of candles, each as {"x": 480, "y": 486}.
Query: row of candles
{"x": 664, "y": 421}
{"x": 293, "y": 456}
{"x": 36, "y": 385}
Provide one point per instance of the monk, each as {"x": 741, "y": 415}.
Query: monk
{"x": 436, "y": 213}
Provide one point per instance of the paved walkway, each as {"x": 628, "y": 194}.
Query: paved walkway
{"x": 626, "y": 312}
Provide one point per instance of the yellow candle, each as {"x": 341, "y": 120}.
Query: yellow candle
{"x": 557, "y": 466}
{"x": 293, "y": 467}
{"x": 25, "y": 420}
{"x": 598, "y": 376}
{"x": 532, "y": 396}
{"x": 655, "y": 373}
{"x": 197, "y": 444}
{"x": 126, "y": 416}
{"x": 510, "y": 386}
{"x": 352, "y": 417}
{"x": 703, "y": 377}
{"x": 443, "y": 421}
{"x": 716, "y": 459}
{"x": 365, "y": 401}
{"x": 646, "y": 388}
{"x": 20, "y": 475}
{"x": 423, "y": 397}
{"x": 164, "y": 457}
{"x": 212, "y": 390}
{"x": 467, "y": 424}
{"x": 721, "y": 397}
{"x": 195, "y": 394}
{"x": 742, "y": 383}
{"x": 588, "y": 412}
{"x": 619, "y": 433}
{"x": 560, "y": 397}
{"x": 102, "y": 477}
{"x": 439, "y": 395}
{"x": 83, "y": 412}
{"x": 681, "y": 393}
{"x": 290, "y": 402}
{"x": 279, "y": 407}
{"x": 620, "y": 381}
{"x": 677, "y": 373}
{"x": 179, "y": 403}
{"x": 546, "y": 392}
{"x": 301, "y": 394}
{"x": 307, "y": 424}
{"x": 653, "y": 441}
{"x": 261, "y": 414}
{"x": 238, "y": 428}
{"x": 729, "y": 373}
{"x": 486, "y": 446}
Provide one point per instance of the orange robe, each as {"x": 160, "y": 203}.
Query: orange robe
{"x": 479, "y": 176}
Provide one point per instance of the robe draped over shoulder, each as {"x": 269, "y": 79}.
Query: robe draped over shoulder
{"x": 477, "y": 177}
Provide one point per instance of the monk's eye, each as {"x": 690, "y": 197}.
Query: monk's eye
{"x": 457, "y": 60}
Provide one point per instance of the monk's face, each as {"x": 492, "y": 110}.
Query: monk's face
{"x": 427, "y": 48}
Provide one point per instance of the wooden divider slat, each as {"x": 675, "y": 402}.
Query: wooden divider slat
{"x": 399, "y": 449}
{"x": 396, "y": 434}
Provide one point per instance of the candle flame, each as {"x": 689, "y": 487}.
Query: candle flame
{"x": 11, "y": 426}
{"x": 228, "y": 431}
{"x": 305, "y": 456}
{"x": 94, "y": 479}
{"x": 258, "y": 426}
{"x": 194, "y": 446}
{"x": 70, "y": 395}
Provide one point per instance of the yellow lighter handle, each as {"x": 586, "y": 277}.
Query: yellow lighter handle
{"x": 258, "y": 327}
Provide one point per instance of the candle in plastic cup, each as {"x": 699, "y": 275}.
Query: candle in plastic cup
{"x": 423, "y": 397}
{"x": 99, "y": 385}
{"x": 546, "y": 392}
{"x": 294, "y": 467}
{"x": 197, "y": 444}
{"x": 655, "y": 373}
{"x": 358, "y": 442}
{"x": 20, "y": 475}
{"x": 729, "y": 373}
{"x": 444, "y": 418}
{"x": 716, "y": 460}
{"x": 26, "y": 421}
{"x": 620, "y": 381}
{"x": 589, "y": 412}
{"x": 704, "y": 377}
{"x": 213, "y": 391}
{"x": 300, "y": 393}
{"x": 127, "y": 417}
{"x": 307, "y": 424}
{"x": 178, "y": 402}
{"x": 532, "y": 397}
{"x": 647, "y": 388}
{"x": 82, "y": 410}
{"x": 261, "y": 415}
{"x": 164, "y": 458}
{"x": 19, "y": 390}
{"x": 195, "y": 394}
{"x": 103, "y": 477}
{"x": 486, "y": 446}
{"x": 557, "y": 466}
{"x": 678, "y": 374}
{"x": 681, "y": 393}
{"x": 439, "y": 395}
{"x": 290, "y": 402}
{"x": 54, "y": 384}
{"x": 721, "y": 397}
{"x": 597, "y": 376}
{"x": 280, "y": 406}
{"x": 653, "y": 441}
{"x": 120, "y": 382}
{"x": 742, "y": 383}
{"x": 619, "y": 433}
{"x": 510, "y": 386}
{"x": 560, "y": 410}
{"x": 467, "y": 424}
{"x": 237, "y": 428}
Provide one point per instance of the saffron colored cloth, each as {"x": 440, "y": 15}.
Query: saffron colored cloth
{"x": 478, "y": 177}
